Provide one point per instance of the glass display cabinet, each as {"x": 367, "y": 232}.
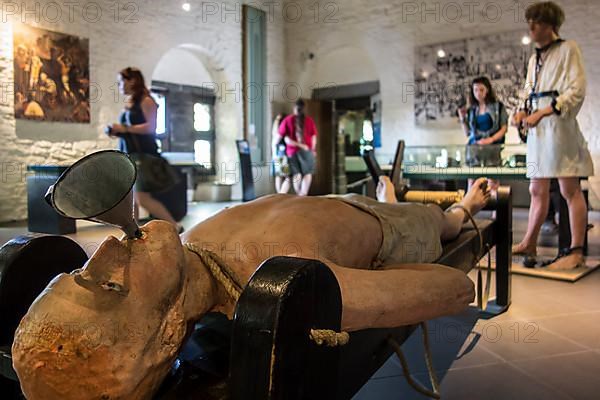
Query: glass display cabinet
{"x": 445, "y": 156}
{"x": 455, "y": 162}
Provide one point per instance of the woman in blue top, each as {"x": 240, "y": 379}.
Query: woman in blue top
{"x": 485, "y": 122}
{"x": 136, "y": 132}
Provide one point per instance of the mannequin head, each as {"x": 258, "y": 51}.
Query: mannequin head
{"x": 111, "y": 329}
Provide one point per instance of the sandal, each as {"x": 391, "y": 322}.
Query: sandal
{"x": 562, "y": 253}
{"x": 529, "y": 260}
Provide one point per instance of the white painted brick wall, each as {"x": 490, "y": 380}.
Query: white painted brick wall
{"x": 114, "y": 44}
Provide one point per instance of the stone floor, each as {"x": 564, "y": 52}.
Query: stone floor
{"x": 547, "y": 346}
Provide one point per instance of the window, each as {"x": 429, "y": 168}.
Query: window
{"x": 203, "y": 152}
{"x": 202, "y": 117}
{"x": 186, "y": 115}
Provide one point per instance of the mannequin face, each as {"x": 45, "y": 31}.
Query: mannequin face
{"x": 112, "y": 328}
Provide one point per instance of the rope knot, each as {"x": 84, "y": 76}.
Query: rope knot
{"x": 329, "y": 338}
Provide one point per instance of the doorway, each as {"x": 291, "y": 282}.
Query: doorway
{"x": 355, "y": 113}
{"x": 355, "y": 124}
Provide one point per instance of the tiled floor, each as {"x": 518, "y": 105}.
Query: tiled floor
{"x": 547, "y": 346}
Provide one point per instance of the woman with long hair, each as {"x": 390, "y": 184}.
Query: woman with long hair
{"x": 486, "y": 120}
{"x": 136, "y": 132}
{"x": 485, "y": 123}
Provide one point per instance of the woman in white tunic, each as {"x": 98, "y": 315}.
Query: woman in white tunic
{"x": 556, "y": 148}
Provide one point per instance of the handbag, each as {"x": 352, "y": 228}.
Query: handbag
{"x": 154, "y": 173}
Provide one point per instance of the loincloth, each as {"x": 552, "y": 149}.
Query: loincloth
{"x": 411, "y": 231}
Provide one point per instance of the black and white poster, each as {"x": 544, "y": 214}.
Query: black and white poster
{"x": 443, "y": 74}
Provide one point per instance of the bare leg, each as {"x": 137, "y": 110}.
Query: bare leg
{"x": 475, "y": 199}
{"x": 570, "y": 189}
{"x": 451, "y": 222}
{"x": 393, "y": 297}
{"x": 285, "y": 185}
{"x": 305, "y": 186}
{"x": 540, "y": 201}
{"x": 154, "y": 207}
{"x": 297, "y": 182}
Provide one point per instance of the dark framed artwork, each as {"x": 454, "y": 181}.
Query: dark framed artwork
{"x": 443, "y": 74}
{"x": 51, "y": 75}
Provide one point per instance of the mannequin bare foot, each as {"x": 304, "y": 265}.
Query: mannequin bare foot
{"x": 385, "y": 190}
{"x": 477, "y": 196}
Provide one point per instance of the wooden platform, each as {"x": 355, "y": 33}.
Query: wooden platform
{"x": 546, "y": 254}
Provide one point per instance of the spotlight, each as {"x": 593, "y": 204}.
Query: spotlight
{"x": 186, "y": 6}
{"x": 441, "y": 53}
{"x": 526, "y": 40}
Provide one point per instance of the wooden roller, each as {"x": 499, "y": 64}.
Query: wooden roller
{"x": 443, "y": 199}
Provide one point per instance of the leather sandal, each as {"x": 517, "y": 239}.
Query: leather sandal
{"x": 529, "y": 260}
{"x": 562, "y": 253}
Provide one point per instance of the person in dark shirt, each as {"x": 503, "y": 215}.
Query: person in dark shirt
{"x": 136, "y": 132}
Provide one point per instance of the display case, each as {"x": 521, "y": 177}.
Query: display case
{"x": 504, "y": 158}
{"x": 447, "y": 156}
